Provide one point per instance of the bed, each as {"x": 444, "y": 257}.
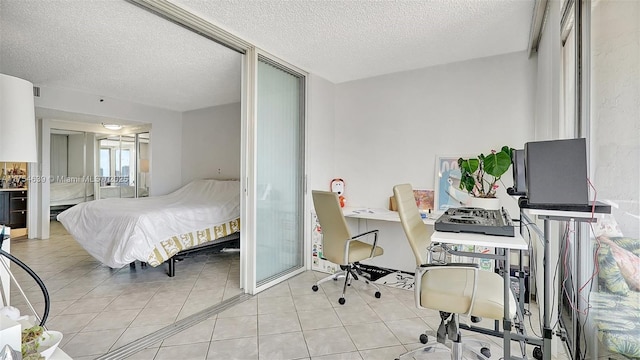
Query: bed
{"x": 67, "y": 194}
{"x": 122, "y": 192}
{"x": 119, "y": 231}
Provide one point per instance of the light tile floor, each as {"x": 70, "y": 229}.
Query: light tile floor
{"x": 100, "y": 309}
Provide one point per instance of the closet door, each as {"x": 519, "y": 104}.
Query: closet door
{"x": 59, "y": 155}
{"x": 279, "y": 173}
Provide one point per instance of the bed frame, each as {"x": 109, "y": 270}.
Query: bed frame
{"x": 229, "y": 241}
{"x": 54, "y": 210}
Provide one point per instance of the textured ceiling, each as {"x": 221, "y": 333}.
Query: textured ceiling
{"x": 114, "y": 49}
{"x": 348, "y": 40}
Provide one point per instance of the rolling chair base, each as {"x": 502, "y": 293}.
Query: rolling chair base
{"x": 459, "y": 350}
{"x": 349, "y": 272}
{"x": 449, "y": 330}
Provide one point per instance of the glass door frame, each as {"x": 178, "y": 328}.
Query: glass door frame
{"x": 249, "y": 202}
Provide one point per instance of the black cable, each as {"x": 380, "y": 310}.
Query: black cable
{"x": 45, "y": 293}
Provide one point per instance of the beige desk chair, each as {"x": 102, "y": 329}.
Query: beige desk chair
{"x": 338, "y": 246}
{"x": 451, "y": 289}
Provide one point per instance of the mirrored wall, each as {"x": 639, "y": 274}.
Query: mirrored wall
{"x": 71, "y": 171}
{"x": 88, "y": 165}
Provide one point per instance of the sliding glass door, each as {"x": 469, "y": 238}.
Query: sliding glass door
{"x": 279, "y": 172}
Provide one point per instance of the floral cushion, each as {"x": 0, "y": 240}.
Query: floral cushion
{"x": 617, "y": 319}
{"x": 616, "y": 307}
{"x": 619, "y": 262}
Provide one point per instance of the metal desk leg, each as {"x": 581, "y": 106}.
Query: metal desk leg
{"x": 547, "y": 332}
{"x": 507, "y": 318}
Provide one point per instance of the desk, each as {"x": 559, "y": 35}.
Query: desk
{"x": 381, "y": 214}
{"x": 506, "y": 243}
{"x": 391, "y": 237}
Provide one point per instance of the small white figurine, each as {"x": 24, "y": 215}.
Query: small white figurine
{"x": 337, "y": 186}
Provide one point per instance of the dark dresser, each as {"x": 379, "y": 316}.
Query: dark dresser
{"x": 13, "y": 208}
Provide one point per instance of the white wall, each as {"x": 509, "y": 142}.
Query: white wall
{"x": 320, "y": 133}
{"x": 547, "y": 109}
{"x": 211, "y": 141}
{"x": 389, "y": 129}
{"x": 165, "y": 124}
{"x": 615, "y": 102}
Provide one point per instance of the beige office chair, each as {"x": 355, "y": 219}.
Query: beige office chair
{"x": 451, "y": 289}
{"x": 339, "y": 247}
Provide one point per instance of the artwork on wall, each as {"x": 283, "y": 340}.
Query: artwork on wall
{"x": 424, "y": 199}
{"x": 447, "y": 183}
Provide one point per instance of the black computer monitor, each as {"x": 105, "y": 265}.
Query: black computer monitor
{"x": 556, "y": 172}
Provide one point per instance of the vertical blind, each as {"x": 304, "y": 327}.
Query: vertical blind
{"x": 279, "y": 170}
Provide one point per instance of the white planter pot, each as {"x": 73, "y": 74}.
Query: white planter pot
{"x": 485, "y": 203}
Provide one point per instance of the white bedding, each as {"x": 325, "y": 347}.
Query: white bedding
{"x": 69, "y": 193}
{"x": 119, "y": 231}
{"x": 121, "y": 192}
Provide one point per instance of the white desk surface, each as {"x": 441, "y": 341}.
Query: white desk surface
{"x": 505, "y": 242}
{"x": 380, "y": 214}
{"x": 565, "y": 214}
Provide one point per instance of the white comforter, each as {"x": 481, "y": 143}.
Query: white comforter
{"x": 119, "y": 231}
{"x": 61, "y": 191}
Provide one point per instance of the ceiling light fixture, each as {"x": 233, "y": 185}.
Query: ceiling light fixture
{"x": 112, "y": 126}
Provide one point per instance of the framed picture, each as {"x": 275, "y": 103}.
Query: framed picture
{"x": 424, "y": 199}
{"x": 447, "y": 183}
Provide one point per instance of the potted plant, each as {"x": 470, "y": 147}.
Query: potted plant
{"x": 480, "y": 176}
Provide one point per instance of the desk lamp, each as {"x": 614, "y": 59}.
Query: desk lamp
{"x": 18, "y": 144}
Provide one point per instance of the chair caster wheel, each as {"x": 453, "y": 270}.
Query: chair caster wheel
{"x": 475, "y": 319}
{"x": 424, "y": 338}
{"x": 341, "y": 301}
{"x": 486, "y": 352}
{"x": 314, "y": 288}
{"x": 537, "y": 353}
{"x": 377, "y": 294}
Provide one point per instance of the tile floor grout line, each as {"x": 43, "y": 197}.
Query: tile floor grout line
{"x": 169, "y": 330}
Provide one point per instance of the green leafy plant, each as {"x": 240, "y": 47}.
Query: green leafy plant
{"x": 480, "y": 175}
